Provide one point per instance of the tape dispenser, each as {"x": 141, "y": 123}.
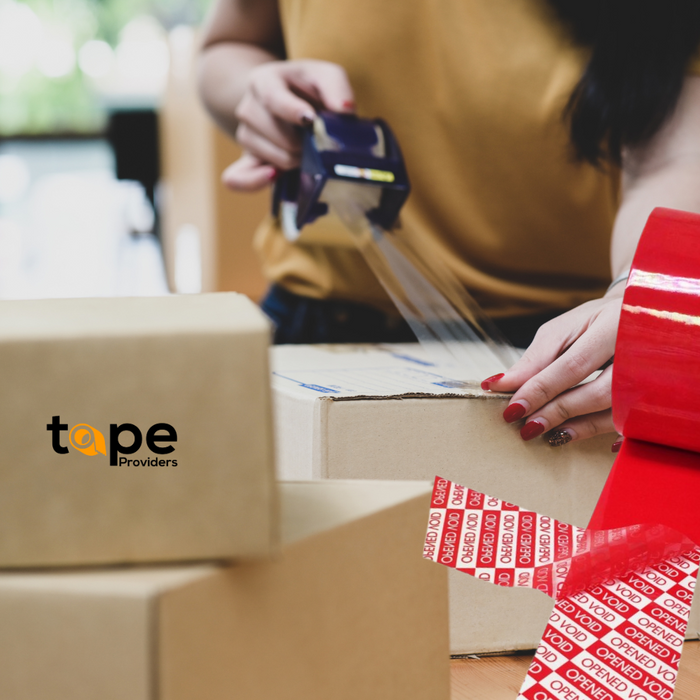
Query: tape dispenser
{"x": 353, "y": 166}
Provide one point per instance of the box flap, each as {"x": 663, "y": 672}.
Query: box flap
{"x": 99, "y": 318}
{"x": 308, "y": 508}
{"x": 124, "y": 582}
{"x": 353, "y": 372}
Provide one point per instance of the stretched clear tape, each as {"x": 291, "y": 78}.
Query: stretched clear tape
{"x": 452, "y": 328}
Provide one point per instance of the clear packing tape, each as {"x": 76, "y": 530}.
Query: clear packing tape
{"x": 623, "y": 586}
{"x": 447, "y": 321}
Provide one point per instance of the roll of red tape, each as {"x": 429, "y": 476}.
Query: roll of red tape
{"x": 656, "y": 380}
{"x": 657, "y": 356}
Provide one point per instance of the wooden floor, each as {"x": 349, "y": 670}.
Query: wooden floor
{"x": 500, "y": 677}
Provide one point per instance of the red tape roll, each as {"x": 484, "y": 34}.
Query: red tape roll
{"x": 656, "y": 376}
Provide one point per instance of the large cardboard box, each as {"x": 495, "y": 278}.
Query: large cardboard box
{"x": 348, "y": 610}
{"x": 85, "y": 382}
{"x": 387, "y": 412}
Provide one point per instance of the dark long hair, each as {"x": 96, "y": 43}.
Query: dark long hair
{"x": 640, "y": 50}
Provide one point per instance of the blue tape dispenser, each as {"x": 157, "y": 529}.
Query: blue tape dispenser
{"x": 352, "y": 165}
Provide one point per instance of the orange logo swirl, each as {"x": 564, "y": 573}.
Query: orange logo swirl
{"x": 87, "y": 439}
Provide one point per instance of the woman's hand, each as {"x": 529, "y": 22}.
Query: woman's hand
{"x": 564, "y": 352}
{"x": 663, "y": 172}
{"x": 280, "y": 97}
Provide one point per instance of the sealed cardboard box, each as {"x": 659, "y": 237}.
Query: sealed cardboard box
{"x": 348, "y": 610}
{"x": 134, "y": 430}
{"x": 388, "y": 412}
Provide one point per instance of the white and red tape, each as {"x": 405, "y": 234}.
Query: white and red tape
{"x": 622, "y": 596}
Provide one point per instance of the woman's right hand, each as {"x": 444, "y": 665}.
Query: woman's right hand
{"x": 280, "y": 97}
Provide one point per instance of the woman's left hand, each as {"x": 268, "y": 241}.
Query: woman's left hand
{"x": 564, "y": 352}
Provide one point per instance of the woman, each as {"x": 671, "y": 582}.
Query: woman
{"x": 538, "y": 136}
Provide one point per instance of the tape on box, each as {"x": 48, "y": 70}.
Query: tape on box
{"x": 624, "y": 586}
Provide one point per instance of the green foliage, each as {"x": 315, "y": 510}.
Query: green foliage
{"x": 35, "y": 103}
{"x": 39, "y": 105}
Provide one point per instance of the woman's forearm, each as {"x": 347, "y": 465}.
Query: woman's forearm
{"x": 664, "y": 173}
{"x": 223, "y": 78}
{"x": 676, "y": 186}
{"x": 238, "y": 36}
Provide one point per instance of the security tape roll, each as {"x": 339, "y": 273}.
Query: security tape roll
{"x": 622, "y": 596}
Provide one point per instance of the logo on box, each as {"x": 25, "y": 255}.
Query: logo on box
{"x": 90, "y": 441}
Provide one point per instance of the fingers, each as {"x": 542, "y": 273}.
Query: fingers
{"x": 267, "y": 137}
{"x": 584, "y": 357}
{"x": 280, "y": 98}
{"x": 577, "y": 414}
{"x": 580, "y": 412}
{"x": 584, "y": 427}
{"x": 325, "y": 83}
{"x": 549, "y": 342}
{"x": 265, "y": 150}
{"x": 547, "y": 379}
{"x": 281, "y": 133}
{"x": 594, "y": 328}
{"x": 248, "y": 174}
{"x": 288, "y": 90}
{"x": 270, "y": 87}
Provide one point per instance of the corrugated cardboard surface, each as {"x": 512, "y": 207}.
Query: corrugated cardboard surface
{"x": 329, "y": 426}
{"x": 196, "y": 363}
{"x": 348, "y": 610}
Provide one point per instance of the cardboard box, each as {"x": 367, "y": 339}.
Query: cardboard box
{"x": 385, "y": 412}
{"x": 85, "y": 378}
{"x": 349, "y": 610}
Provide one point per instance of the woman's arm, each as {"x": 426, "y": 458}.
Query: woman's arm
{"x": 664, "y": 173}
{"x": 239, "y": 35}
{"x": 257, "y": 96}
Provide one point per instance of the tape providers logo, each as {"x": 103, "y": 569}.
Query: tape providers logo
{"x": 91, "y": 442}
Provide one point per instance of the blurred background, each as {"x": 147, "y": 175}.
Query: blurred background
{"x": 109, "y": 168}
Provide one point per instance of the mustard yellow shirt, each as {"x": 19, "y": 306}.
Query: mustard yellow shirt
{"x": 474, "y": 91}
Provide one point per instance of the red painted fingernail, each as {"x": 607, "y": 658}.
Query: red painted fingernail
{"x": 514, "y": 412}
{"x": 274, "y": 175}
{"x": 531, "y": 429}
{"x": 349, "y": 104}
{"x": 616, "y": 446}
{"x": 489, "y": 380}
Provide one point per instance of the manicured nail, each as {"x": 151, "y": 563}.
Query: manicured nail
{"x": 490, "y": 380}
{"x": 560, "y": 437}
{"x": 514, "y": 412}
{"x": 274, "y": 174}
{"x": 307, "y": 118}
{"x": 616, "y": 446}
{"x": 531, "y": 429}
{"x": 349, "y": 104}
